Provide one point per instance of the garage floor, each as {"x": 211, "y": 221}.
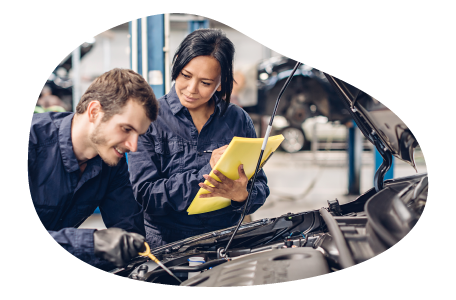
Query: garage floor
{"x": 305, "y": 181}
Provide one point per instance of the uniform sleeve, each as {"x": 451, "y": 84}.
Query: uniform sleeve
{"x": 119, "y": 207}
{"x": 260, "y": 189}
{"x": 158, "y": 194}
{"x": 79, "y": 243}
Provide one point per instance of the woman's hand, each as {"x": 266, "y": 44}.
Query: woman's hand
{"x": 235, "y": 190}
{"x": 216, "y": 154}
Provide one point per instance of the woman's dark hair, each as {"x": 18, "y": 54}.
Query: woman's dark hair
{"x": 208, "y": 42}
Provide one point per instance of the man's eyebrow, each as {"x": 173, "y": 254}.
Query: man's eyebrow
{"x": 128, "y": 125}
{"x": 201, "y": 78}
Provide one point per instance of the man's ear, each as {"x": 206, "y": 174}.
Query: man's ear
{"x": 94, "y": 111}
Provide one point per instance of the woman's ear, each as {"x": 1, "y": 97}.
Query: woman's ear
{"x": 219, "y": 88}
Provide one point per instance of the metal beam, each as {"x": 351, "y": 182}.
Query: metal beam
{"x": 167, "y": 29}
{"x": 76, "y": 62}
{"x": 134, "y": 45}
{"x": 144, "y": 50}
{"x": 355, "y": 151}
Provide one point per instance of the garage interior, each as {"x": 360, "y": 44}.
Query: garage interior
{"x": 302, "y": 180}
{"x": 366, "y": 91}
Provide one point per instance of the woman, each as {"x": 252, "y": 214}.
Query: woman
{"x": 196, "y": 122}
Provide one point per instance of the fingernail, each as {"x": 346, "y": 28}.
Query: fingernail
{"x": 242, "y": 167}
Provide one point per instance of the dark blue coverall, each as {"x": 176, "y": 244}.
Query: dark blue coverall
{"x": 63, "y": 200}
{"x": 170, "y": 162}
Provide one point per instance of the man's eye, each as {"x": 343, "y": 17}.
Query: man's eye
{"x": 126, "y": 129}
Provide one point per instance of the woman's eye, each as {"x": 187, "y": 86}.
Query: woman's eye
{"x": 186, "y": 76}
{"x": 206, "y": 83}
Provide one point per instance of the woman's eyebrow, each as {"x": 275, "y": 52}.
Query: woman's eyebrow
{"x": 201, "y": 78}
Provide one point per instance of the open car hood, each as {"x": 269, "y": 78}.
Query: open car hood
{"x": 306, "y": 244}
{"x": 398, "y": 106}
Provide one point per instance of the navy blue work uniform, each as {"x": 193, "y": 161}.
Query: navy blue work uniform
{"x": 64, "y": 198}
{"x": 170, "y": 162}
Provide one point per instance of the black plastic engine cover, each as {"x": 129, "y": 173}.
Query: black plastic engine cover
{"x": 263, "y": 268}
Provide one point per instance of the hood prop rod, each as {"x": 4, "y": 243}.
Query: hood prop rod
{"x": 385, "y": 166}
{"x": 223, "y": 252}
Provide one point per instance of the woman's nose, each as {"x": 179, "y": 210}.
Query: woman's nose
{"x": 192, "y": 86}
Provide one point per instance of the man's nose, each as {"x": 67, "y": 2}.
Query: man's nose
{"x": 132, "y": 143}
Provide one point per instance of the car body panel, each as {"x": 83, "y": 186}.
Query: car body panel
{"x": 402, "y": 107}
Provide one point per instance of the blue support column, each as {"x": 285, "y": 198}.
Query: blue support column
{"x": 155, "y": 55}
{"x": 197, "y": 24}
{"x": 378, "y": 162}
{"x": 355, "y": 150}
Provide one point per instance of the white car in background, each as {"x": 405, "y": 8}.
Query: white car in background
{"x": 327, "y": 135}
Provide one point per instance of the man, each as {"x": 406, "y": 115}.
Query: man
{"x": 76, "y": 162}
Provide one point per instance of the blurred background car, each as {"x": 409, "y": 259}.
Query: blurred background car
{"x": 309, "y": 111}
{"x": 308, "y": 95}
{"x": 315, "y": 133}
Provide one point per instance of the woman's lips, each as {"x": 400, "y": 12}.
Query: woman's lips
{"x": 189, "y": 99}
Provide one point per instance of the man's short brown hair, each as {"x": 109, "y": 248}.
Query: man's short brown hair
{"x": 114, "y": 88}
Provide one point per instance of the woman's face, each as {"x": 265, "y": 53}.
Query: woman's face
{"x": 198, "y": 81}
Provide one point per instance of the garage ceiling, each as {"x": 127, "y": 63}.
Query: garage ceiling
{"x": 279, "y": 19}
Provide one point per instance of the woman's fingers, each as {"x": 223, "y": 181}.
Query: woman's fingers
{"x": 207, "y": 195}
{"x": 206, "y": 187}
{"x": 241, "y": 172}
{"x": 216, "y": 154}
{"x": 214, "y": 182}
{"x": 222, "y": 177}
{"x": 235, "y": 190}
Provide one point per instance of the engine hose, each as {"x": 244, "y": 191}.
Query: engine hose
{"x": 186, "y": 269}
{"x": 345, "y": 257}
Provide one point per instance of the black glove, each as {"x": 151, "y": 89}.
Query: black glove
{"x": 117, "y": 246}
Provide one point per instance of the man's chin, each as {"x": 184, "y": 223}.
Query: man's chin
{"x": 112, "y": 162}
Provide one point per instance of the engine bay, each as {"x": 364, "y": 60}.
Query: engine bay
{"x": 292, "y": 246}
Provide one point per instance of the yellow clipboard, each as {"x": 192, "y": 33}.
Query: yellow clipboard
{"x": 241, "y": 150}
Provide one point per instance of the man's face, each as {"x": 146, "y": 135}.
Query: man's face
{"x": 119, "y": 135}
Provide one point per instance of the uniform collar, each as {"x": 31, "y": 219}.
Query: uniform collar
{"x": 66, "y": 145}
{"x": 176, "y": 106}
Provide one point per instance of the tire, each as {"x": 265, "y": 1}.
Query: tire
{"x": 295, "y": 140}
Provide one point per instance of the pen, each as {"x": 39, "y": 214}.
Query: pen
{"x": 208, "y": 151}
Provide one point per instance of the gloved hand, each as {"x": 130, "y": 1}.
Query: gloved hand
{"x": 117, "y": 246}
